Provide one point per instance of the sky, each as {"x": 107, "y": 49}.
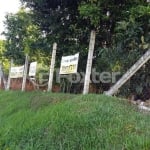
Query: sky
{"x": 7, "y": 6}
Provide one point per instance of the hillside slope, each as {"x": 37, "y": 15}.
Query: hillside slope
{"x": 46, "y": 121}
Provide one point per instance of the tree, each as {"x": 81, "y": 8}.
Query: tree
{"x": 3, "y": 59}
{"x": 22, "y": 36}
{"x": 122, "y": 29}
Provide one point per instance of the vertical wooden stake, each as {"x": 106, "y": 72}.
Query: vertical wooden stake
{"x": 9, "y": 79}
{"x": 25, "y": 73}
{"x": 89, "y": 62}
{"x": 51, "y": 72}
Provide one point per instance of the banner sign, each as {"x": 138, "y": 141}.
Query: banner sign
{"x": 32, "y": 69}
{"x": 69, "y": 64}
{"x": 16, "y": 72}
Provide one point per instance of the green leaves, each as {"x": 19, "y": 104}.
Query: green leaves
{"x": 119, "y": 26}
{"x": 23, "y": 36}
{"x": 90, "y": 11}
{"x": 140, "y": 11}
{"x": 3, "y": 60}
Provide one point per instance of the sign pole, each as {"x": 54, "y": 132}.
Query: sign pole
{"x": 89, "y": 62}
{"x": 25, "y": 73}
{"x": 51, "y": 72}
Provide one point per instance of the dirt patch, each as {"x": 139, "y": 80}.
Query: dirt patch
{"x": 37, "y": 102}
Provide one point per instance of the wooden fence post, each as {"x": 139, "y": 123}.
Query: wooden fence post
{"x": 25, "y": 73}
{"x": 9, "y": 79}
{"x": 89, "y": 62}
{"x": 129, "y": 73}
{"x": 2, "y": 76}
{"x": 51, "y": 71}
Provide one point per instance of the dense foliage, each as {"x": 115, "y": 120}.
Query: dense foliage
{"x": 23, "y": 36}
{"x": 3, "y": 60}
{"x": 122, "y": 29}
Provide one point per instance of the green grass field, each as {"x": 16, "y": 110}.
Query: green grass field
{"x": 46, "y": 121}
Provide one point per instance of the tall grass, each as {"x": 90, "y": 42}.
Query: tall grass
{"x": 46, "y": 121}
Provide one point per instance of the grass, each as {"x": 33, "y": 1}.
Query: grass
{"x": 46, "y": 121}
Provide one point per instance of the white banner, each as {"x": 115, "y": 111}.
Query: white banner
{"x": 32, "y": 69}
{"x": 69, "y": 64}
{"x": 16, "y": 72}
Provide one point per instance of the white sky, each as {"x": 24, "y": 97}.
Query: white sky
{"x": 7, "y": 6}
